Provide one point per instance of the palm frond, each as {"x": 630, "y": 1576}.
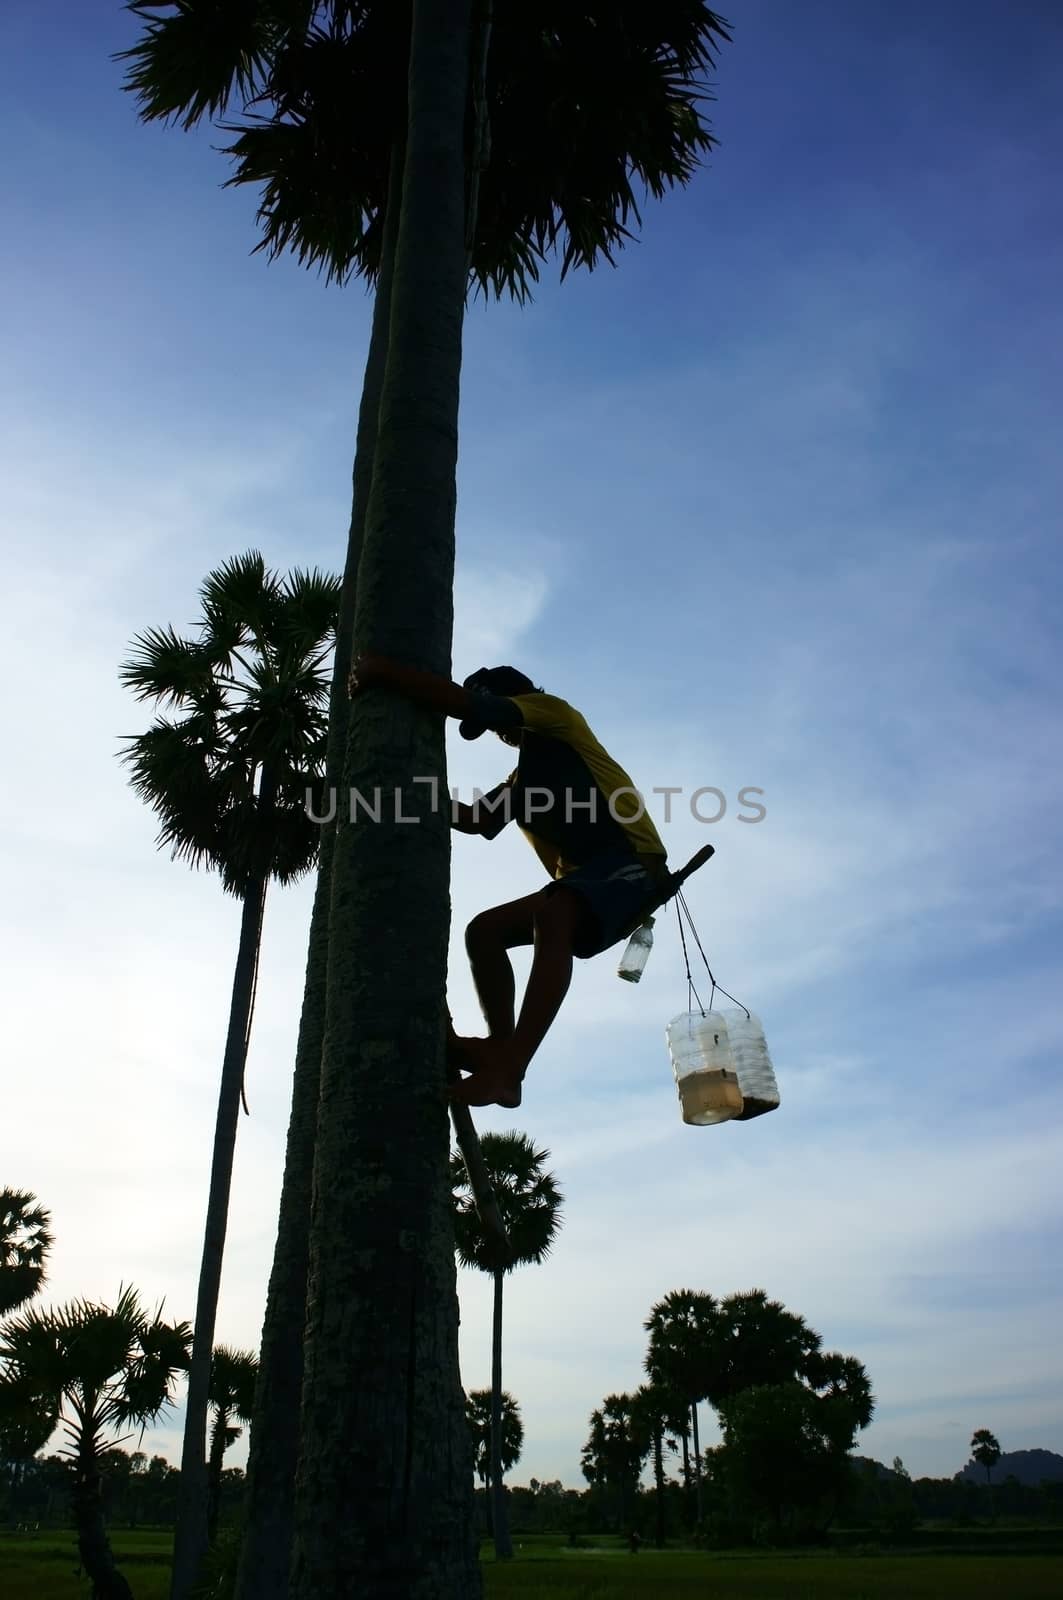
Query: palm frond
{"x": 309, "y": 612}
{"x": 165, "y": 667}
{"x": 25, "y": 1240}
{"x": 233, "y": 1374}
{"x": 193, "y": 62}
{"x": 238, "y": 600}
{"x": 171, "y": 767}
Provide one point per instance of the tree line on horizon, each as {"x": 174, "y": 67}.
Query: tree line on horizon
{"x": 783, "y": 1472}
{"x": 99, "y": 1372}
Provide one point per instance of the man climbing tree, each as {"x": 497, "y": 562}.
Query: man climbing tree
{"x": 588, "y": 825}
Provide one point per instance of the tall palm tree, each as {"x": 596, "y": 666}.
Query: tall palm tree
{"x": 25, "y": 1240}
{"x": 405, "y": 533}
{"x": 583, "y": 104}
{"x": 380, "y": 1230}
{"x": 226, "y": 770}
{"x": 97, "y": 1371}
{"x": 530, "y": 1202}
{"x": 479, "y": 1413}
{"x": 231, "y": 1395}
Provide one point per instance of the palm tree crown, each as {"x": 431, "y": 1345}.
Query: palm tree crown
{"x": 478, "y": 1416}
{"x": 528, "y": 1198}
{"x": 232, "y": 1382}
{"x": 985, "y": 1448}
{"x": 98, "y": 1369}
{"x": 25, "y": 1240}
{"x": 586, "y": 103}
{"x": 249, "y": 700}
{"x": 681, "y": 1327}
{"x": 759, "y": 1341}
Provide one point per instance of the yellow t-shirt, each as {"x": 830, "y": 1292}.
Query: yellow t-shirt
{"x": 559, "y": 753}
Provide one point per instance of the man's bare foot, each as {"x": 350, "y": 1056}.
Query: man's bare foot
{"x": 496, "y": 1073}
{"x": 488, "y": 1088}
{"x": 460, "y": 1050}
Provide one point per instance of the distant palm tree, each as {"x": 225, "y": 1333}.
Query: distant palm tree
{"x": 25, "y": 1240}
{"x": 985, "y": 1448}
{"x": 231, "y": 1394}
{"x": 530, "y": 1202}
{"x": 96, "y": 1371}
{"x": 479, "y": 1412}
{"x": 681, "y": 1327}
{"x": 227, "y": 773}
{"x": 619, "y": 1441}
{"x": 661, "y": 1415}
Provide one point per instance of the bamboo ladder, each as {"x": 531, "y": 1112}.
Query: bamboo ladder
{"x": 483, "y": 1194}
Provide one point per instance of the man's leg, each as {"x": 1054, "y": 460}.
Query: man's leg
{"x": 488, "y": 938}
{"x": 499, "y": 1063}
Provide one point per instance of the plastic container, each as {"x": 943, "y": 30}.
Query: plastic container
{"x": 704, "y": 1068}
{"x": 636, "y": 953}
{"x": 756, "y": 1076}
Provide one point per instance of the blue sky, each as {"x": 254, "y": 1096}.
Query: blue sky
{"x": 775, "y": 503}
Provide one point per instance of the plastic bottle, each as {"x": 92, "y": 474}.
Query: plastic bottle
{"x": 636, "y": 953}
{"x": 704, "y": 1068}
{"x": 756, "y": 1076}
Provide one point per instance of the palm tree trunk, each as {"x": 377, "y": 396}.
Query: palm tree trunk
{"x": 190, "y": 1535}
{"x": 499, "y": 1514}
{"x": 697, "y": 1462}
{"x": 274, "y": 1436}
{"x": 658, "y": 1478}
{"x": 94, "y": 1547}
{"x": 686, "y": 1474}
{"x": 384, "y": 1492}
{"x": 214, "y": 1469}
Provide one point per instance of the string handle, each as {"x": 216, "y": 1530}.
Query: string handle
{"x": 683, "y": 910}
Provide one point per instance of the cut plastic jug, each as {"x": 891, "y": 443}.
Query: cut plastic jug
{"x": 756, "y": 1076}
{"x": 704, "y": 1068}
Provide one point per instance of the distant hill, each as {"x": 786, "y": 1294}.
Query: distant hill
{"x": 861, "y": 1463}
{"x": 1029, "y": 1466}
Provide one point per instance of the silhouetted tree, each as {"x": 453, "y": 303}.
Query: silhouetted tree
{"x": 227, "y": 772}
{"x": 25, "y": 1240}
{"x": 95, "y": 1370}
{"x": 985, "y": 1449}
{"x": 529, "y": 1200}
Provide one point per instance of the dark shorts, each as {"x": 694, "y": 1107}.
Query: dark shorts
{"x": 616, "y": 889}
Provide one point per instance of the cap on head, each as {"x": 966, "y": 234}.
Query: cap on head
{"x": 493, "y": 680}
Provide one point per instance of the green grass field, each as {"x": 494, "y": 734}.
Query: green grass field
{"x": 42, "y": 1567}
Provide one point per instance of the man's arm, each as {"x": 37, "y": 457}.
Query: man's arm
{"x": 425, "y": 689}
{"x": 488, "y": 816}
{"x": 491, "y": 813}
